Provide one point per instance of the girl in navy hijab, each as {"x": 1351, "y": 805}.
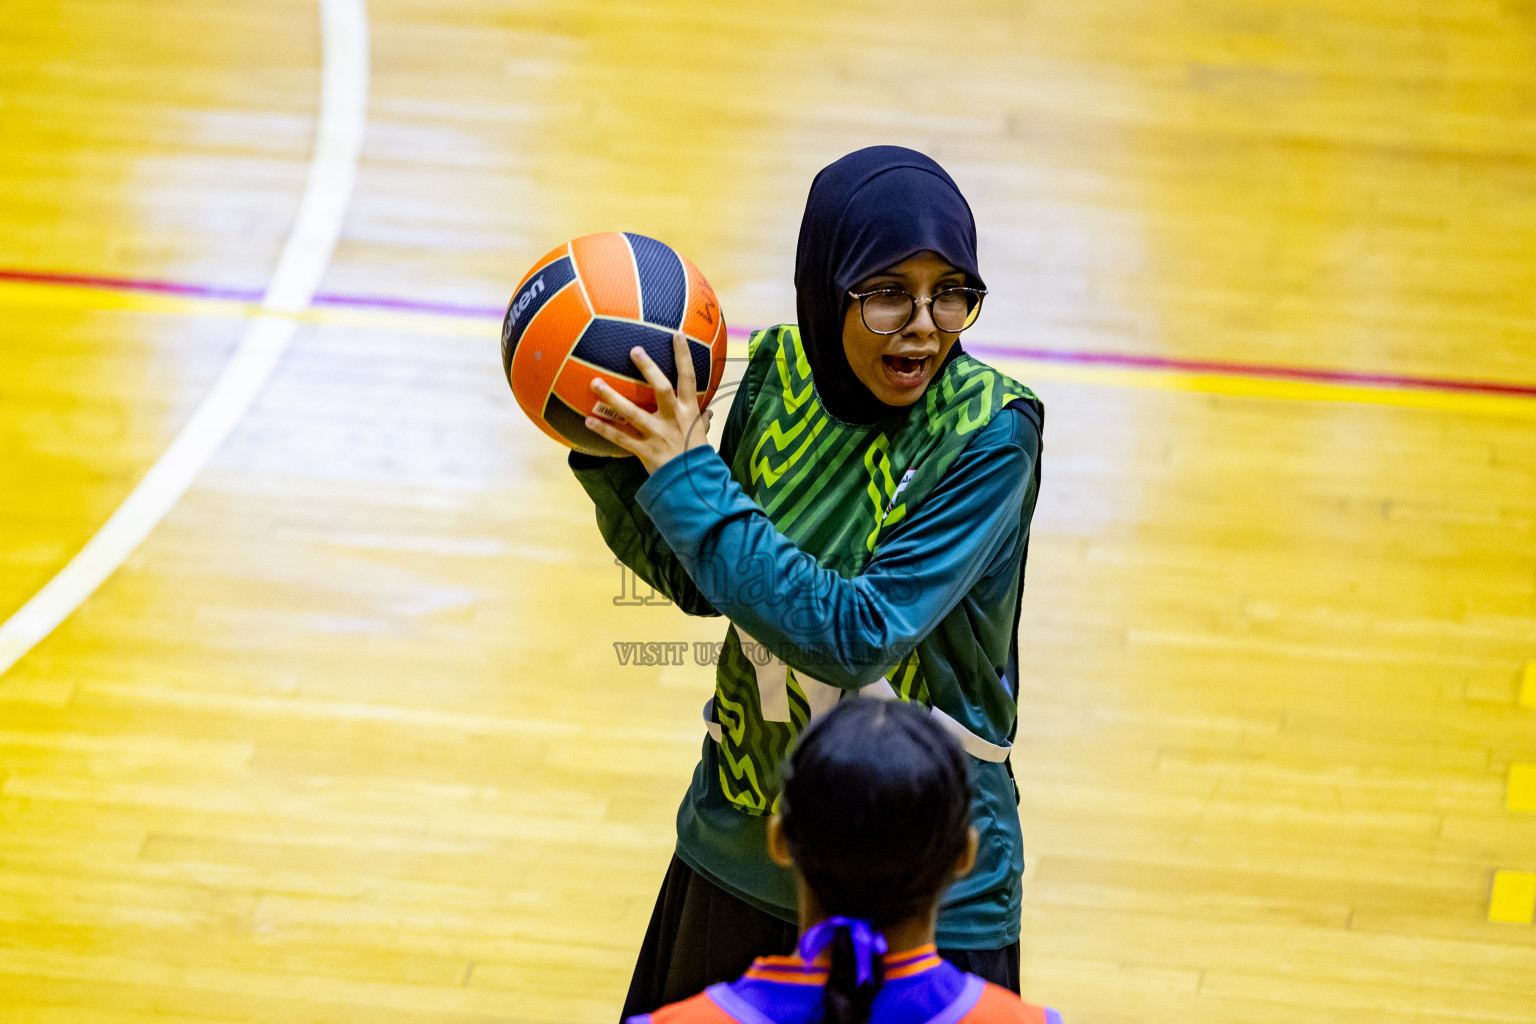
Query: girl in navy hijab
{"x": 863, "y": 526}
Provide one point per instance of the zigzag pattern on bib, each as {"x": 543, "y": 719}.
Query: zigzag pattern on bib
{"x": 836, "y": 490}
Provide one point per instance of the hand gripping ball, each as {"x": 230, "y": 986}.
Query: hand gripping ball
{"x": 580, "y": 310}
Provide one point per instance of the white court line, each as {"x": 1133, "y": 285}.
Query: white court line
{"x": 305, "y": 256}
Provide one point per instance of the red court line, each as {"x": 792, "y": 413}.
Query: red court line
{"x": 1119, "y": 360}
{"x": 133, "y": 284}
{"x": 185, "y": 290}
{"x": 1266, "y": 370}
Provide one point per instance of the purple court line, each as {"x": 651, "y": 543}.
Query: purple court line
{"x": 1111, "y": 359}
{"x": 411, "y": 306}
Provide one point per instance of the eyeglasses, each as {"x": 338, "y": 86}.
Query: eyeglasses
{"x": 889, "y": 310}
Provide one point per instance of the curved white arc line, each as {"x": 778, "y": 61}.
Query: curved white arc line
{"x": 300, "y": 267}
{"x": 333, "y": 164}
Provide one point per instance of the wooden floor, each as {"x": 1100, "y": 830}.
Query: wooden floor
{"x": 347, "y": 738}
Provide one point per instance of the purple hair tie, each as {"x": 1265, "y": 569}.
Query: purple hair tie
{"x": 867, "y": 943}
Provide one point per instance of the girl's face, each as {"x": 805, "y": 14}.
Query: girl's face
{"x": 897, "y": 367}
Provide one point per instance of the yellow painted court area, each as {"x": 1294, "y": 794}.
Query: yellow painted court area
{"x": 1522, "y": 788}
{"x": 345, "y": 738}
{"x": 1514, "y": 897}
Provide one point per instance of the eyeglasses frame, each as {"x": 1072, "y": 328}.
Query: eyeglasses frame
{"x": 980, "y": 293}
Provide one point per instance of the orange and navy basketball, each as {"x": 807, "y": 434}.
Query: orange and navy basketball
{"x": 579, "y": 312}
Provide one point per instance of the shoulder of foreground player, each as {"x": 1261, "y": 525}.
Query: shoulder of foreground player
{"x": 997, "y": 1005}
{"x": 699, "y": 1009}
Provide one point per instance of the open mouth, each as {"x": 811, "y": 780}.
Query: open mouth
{"x": 905, "y": 371}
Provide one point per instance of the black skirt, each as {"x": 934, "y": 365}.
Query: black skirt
{"x": 700, "y": 935}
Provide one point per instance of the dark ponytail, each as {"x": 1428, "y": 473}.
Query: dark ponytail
{"x": 844, "y": 1000}
{"x": 876, "y": 811}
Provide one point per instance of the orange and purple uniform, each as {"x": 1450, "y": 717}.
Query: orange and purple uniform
{"x": 920, "y": 988}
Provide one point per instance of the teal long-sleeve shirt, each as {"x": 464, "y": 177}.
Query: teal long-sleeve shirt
{"x": 947, "y": 581}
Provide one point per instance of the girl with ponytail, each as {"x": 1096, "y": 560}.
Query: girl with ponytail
{"x": 874, "y": 821}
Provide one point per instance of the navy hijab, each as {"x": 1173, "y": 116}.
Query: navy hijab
{"x": 866, "y": 213}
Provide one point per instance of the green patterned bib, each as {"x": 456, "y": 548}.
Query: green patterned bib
{"x": 835, "y": 490}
